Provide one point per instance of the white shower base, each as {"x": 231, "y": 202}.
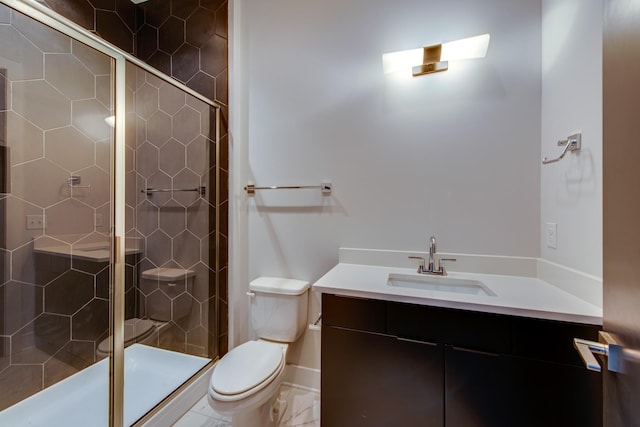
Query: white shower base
{"x": 82, "y": 399}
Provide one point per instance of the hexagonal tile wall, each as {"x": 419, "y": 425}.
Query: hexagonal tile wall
{"x": 159, "y": 128}
{"x": 177, "y": 37}
{"x": 41, "y": 182}
{"x": 69, "y": 148}
{"x": 68, "y": 293}
{"x": 173, "y": 121}
{"x": 89, "y": 117}
{"x": 188, "y": 41}
{"x": 172, "y": 157}
{"x": 46, "y": 39}
{"x": 29, "y": 298}
{"x": 25, "y": 140}
{"x": 41, "y": 103}
{"x": 24, "y": 60}
{"x": 186, "y": 124}
{"x": 54, "y": 122}
{"x": 58, "y": 68}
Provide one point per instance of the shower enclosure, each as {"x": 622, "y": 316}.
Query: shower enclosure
{"x": 109, "y": 208}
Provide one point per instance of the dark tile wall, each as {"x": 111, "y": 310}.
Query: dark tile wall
{"x": 52, "y": 314}
{"x": 67, "y": 310}
{"x": 173, "y": 150}
{"x": 187, "y": 40}
{"x": 113, "y": 20}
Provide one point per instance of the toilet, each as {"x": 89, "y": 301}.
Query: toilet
{"x": 245, "y": 383}
{"x": 163, "y": 285}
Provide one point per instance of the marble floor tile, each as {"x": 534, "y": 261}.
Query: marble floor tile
{"x": 193, "y": 419}
{"x": 303, "y": 407}
{"x": 302, "y": 410}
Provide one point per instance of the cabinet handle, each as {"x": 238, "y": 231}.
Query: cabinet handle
{"x": 617, "y": 354}
{"x": 586, "y": 349}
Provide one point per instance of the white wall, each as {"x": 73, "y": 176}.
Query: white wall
{"x": 455, "y": 154}
{"x": 571, "y": 190}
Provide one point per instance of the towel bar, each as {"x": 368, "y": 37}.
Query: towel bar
{"x": 325, "y": 187}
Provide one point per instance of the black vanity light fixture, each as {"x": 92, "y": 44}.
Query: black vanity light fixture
{"x": 435, "y": 58}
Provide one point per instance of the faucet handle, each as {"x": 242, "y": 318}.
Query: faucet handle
{"x": 421, "y": 265}
{"x": 441, "y": 262}
{"x": 418, "y": 257}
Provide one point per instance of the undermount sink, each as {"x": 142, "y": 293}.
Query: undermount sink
{"x": 439, "y": 284}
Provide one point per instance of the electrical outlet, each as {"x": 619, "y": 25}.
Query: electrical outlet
{"x": 35, "y": 222}
{"x": 552, "y": 235}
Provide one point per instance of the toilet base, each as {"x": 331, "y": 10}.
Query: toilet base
{"x": 269, "y": 414}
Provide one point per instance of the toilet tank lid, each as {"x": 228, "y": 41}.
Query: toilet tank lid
{"x": 279, "y": 285}
{"x": 164, "y": 273}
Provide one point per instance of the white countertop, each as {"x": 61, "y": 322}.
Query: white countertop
{"x": 514, "y": 295}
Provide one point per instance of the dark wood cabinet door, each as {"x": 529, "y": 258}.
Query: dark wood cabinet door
{"x": 487, "y": 390}
{"x": 376, "y": 380}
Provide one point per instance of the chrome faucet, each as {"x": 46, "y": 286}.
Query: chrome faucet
{"x": 431, "y": 268}
{"x": 432, "y": 252}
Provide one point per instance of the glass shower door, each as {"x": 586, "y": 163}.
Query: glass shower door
{"x": 109, "y": 236}
{"x": 56, "y": 156}
{"x": 171, "y": 204}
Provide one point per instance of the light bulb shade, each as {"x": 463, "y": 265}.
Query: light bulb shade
{"x": 469, "y": 48}
{"x": 402, "y": 60}
{"x": 433, "y": 58}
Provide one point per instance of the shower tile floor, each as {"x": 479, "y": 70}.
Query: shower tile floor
{"x": 303, "y": 409}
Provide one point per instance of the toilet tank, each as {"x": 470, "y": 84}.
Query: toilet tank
{"x": 279, "y": 308}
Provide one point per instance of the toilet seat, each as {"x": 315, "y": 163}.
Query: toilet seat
{"x": 246, "y": 370}
{"x": 134, "y": 330}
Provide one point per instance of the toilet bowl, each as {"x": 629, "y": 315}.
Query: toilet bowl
{"x": 247, "y": 380}
{"x": 245, "y": 383}
{"x": 135, "y": 331}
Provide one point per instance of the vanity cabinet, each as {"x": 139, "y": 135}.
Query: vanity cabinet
{"x": 396, "y": 364}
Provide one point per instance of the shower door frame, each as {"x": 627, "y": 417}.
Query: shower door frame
{"x": 51, "y": 19}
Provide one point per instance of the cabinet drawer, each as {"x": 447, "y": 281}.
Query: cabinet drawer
{"x": 497, "y": 390}
{"x": 374, "y": 380}
{"x": 550, "y": 340}
{"x": 466, "y": 329}
{"x": 354, "y": 313}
